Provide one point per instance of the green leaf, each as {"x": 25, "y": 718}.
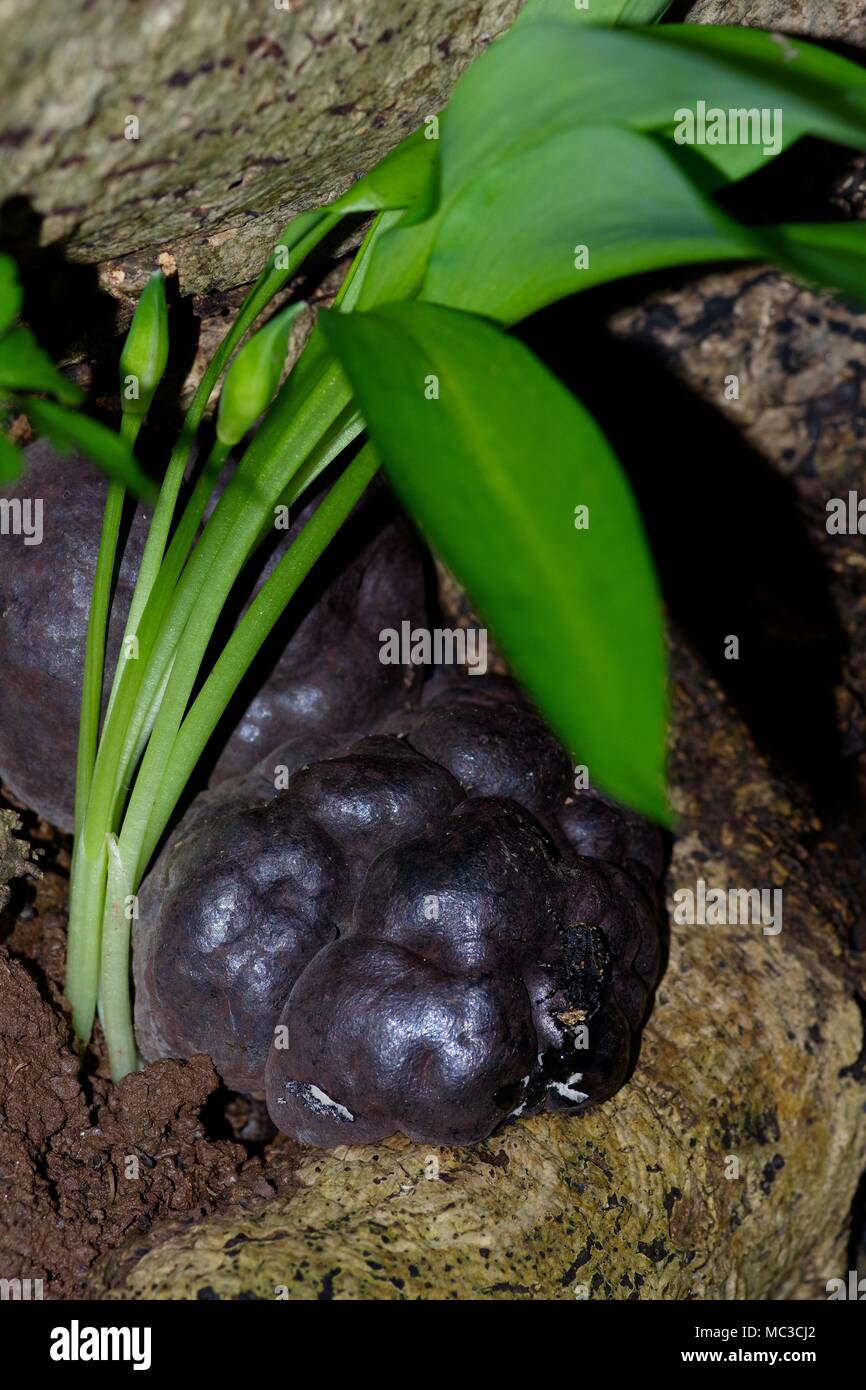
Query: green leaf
{"x": 25, "y": 367}
{"x": 625, "y": 200}
{"x": 612, "y": 12}
{"x": 10, "y": 460}
{"x": 11, "y": 295}
{"x": 557, "y": 76}
{"x": 829, "y": 256}
{"x": 399, "y": 263}
{"x": 493, "y": 470}
{"x": 71, "y": 432}
{"x": 402, "y": 178}
{"x": 145, "y": 352}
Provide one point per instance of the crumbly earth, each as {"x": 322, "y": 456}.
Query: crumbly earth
{"x": 84, "y": 1165}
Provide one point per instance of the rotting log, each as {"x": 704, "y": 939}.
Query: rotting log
{"x": 194, "y": 131}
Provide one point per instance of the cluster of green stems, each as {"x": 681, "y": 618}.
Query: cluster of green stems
{"x": 132, "y": 771}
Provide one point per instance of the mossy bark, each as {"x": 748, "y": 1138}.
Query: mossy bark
{"x": 15, "y": 859}
{"x": 246, "y": 114}
{"x": 829, "y": 19}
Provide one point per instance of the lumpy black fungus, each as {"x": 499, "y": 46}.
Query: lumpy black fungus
{"x": 244, "y": 895}
{"x": 490, "y": 953}
{"x": 245, "y": 898}
{"x": 44, "y": 602}
{"x": 494, "y": 743}
{"x": 319, "y": 675}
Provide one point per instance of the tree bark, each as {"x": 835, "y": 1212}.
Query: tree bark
{"x": 246, "y": 114}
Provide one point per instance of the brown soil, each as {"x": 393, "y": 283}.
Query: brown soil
{"x": 85, "y": 1166}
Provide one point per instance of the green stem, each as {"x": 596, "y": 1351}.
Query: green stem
{"x": 181, "y": 543}
{"x": 298, "y": 239}
{"x": 172, "y": 639}
{"x": 105, "y": 773}
{"x": 97, "y": 627}
{"x": 82, "y": 962}
{"x": 115, "y": 1003}
{"x": 244, "y": 643}
{"x": 247, "y": 515}
{"x": 139, "y": 836}
{"x": 303, "y": 413}
{"x": 175, "y": 607}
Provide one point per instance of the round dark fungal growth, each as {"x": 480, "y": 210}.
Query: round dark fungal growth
{"x": 590, "y": 994}
{"x": 484, "y": 903}
{"x": 494, "y": 743}
{"x": 46, "y": 578}
{"x": 596, "y": 826}
{"x": 237, "y": 905}
{"x": 478, "y": 892}
{"x": 243, "y": 895}
{"x": 474, "y": 966}
{"x": 377, "y": 794}
{"x": 319, "y": 675}
{"x": 381, "y": 1040}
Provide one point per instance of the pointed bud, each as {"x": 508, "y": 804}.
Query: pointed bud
{"x": 145, "y": 351}
{"x": 254, "y": 376}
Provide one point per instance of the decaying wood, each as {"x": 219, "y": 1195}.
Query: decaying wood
{"x": 829, "y": 19}
{"x": 15, "y": 857}
{"x": 194, "y": 131}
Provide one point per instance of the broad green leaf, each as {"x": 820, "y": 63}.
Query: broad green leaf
{"x": 613, "y": 12}
{"x": 10, "y": 460}
{"x": 398, "y": 264}
{"x": 11, "y": 296}
{"x": 25, "y": 367}
{"x": 493, "y": 469}
{"x": 72, "y": 432}
{"x": 546, "y": 77}
{"x": 521, "y": 235}
{"x": 402, "y": 178}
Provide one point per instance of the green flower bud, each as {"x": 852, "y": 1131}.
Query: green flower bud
{"x": 145, "y": 351}
{"x": 253, "y": 377}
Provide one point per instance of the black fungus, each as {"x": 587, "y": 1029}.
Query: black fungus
{"x": 44, "y": 603}
{"x": 245, "y": 898}
{"x": 488, "y": 942}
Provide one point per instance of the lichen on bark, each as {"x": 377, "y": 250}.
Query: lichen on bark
{"x": 15, "y": 858}
{"x": 245, "y": 115}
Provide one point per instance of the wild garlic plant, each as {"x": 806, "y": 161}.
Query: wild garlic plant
{"x": 558, "y": 164}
